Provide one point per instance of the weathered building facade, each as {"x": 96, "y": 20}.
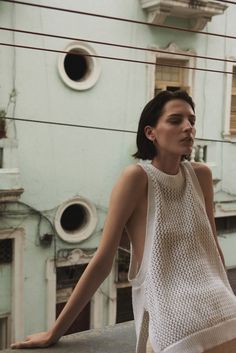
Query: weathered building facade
{"x": 55, "y": 180}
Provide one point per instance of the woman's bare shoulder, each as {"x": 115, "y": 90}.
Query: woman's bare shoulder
{"x": 201, "y": 170}
{"x": 133, "y": 177}
{"x": 204, "y": 175}
{"x": 136, "y": 173}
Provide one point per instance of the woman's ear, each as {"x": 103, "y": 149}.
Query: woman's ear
{"x": 149, "y": 133}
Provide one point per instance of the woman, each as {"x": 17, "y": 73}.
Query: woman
{"x": 182, "y": 300}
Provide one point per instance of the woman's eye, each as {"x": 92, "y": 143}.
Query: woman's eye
{"x": 175, "y": 121}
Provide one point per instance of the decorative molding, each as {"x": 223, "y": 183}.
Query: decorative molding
{"x": 112, "y": 304}
{"x": 171, "y": 52}
{"x": 86, "y": 229}
{"x": 77, "y": 257}
{"x": 93, "y": 66}
{"x": 198, "y": 12}
{"x": 10, "y": 195}
{"x": 17, "y": 314}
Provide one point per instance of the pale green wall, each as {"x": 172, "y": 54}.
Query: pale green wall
{"x": 58, "y": 163}
{"x": 228, "y": 245}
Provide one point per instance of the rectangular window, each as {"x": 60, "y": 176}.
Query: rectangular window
{"x": 233, "y": 104}
{"x": 4, "y": 332}
{"x": 171, "y": 77}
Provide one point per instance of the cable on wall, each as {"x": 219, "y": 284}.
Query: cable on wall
{"x": 99, "y": 128}
{"x": 227, "y": 1}
{"x": 116, "y": 45}
{"x": 118, "y": 18}
{"x": 116, "y": 58}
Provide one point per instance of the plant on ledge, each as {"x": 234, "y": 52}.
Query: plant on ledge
{"x": 2, "y": 124}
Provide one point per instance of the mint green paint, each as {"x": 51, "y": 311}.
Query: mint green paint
{"x": 57, "y": 163}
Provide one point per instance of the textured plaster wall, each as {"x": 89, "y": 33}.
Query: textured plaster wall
{"x": 56, "y": 162}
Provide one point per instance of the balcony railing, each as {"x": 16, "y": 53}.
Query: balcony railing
{"x": 199, "y": 12}
{"x": 206, "y": 152}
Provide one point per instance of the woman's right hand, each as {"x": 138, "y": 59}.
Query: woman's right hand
{"x": 41, "y": 339}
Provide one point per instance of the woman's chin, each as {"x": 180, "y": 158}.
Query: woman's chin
{"x": 188, "y": 151}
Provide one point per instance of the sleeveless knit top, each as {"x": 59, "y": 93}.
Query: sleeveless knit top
{"x": 181, "y": 295}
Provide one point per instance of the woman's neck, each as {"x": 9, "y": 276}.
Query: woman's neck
{"x": 169, "y": 165}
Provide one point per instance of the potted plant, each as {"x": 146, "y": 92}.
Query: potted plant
{"x": 2, "y": 124}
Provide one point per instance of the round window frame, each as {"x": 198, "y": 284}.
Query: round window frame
{"x": 86, "y": 230}
{"x": 93, "y": 66}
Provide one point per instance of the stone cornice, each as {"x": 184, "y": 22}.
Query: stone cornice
{"x": 10, "y": 195}
{"x": 199, "y": 12}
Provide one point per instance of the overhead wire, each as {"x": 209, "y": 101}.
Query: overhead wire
{"x": 108, "y": 57}
{"x": 99, "y": 128}
{"x": 118, "y": 45}
{"x": 227, "y": 1}
{"x": 115, "y": 58}
{"x": 114, "y": 18}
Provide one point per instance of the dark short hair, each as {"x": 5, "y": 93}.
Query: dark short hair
{"x": 150, "y": 116}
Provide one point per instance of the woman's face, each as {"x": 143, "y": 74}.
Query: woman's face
{"x": 175, "y": 131}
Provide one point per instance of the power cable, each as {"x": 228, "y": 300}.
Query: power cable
{"x": 114, "y": 44}
{"x": 227, "y": 1}
{"x": 116, "y": 58}
{"x": 118, "y": 18}
{"x": 99, "y": 128}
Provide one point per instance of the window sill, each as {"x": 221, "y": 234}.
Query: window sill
{"x": 230, "y": 136}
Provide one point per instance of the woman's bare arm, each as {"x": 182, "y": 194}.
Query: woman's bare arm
{"x": 124, "y": 198}
{"x": 204, "y": 176}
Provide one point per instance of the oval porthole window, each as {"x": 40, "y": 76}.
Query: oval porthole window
{"x": 76, "y": 220}
{"x": 77, "y": 68}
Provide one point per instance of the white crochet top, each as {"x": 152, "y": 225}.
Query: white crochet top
{"x": 181, "y": 295}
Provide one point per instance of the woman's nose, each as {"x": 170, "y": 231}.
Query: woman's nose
{"x": 187, "y": 125}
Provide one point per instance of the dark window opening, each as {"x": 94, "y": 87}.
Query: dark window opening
{"x": 1, "y": 157}
{"x": 172, "y": 89}
{"x": 123, "y": 265}
{"x": 225, "y": 224}
{"x": 232, "y": 278}
{"x": 67, "y": 277}
{"x": 6, "y": 250}
{"x": 73, "y": 218}
{"x": 124, "y": 305}
{"x": 81, "y": 323}
{"x": 2, "y": 124}
{"x": 76, "y": 66}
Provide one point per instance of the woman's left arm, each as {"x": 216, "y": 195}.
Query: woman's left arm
{"x": 204, "y": 176}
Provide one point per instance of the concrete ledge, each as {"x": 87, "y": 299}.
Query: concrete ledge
{"x": 112, "y": 339}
